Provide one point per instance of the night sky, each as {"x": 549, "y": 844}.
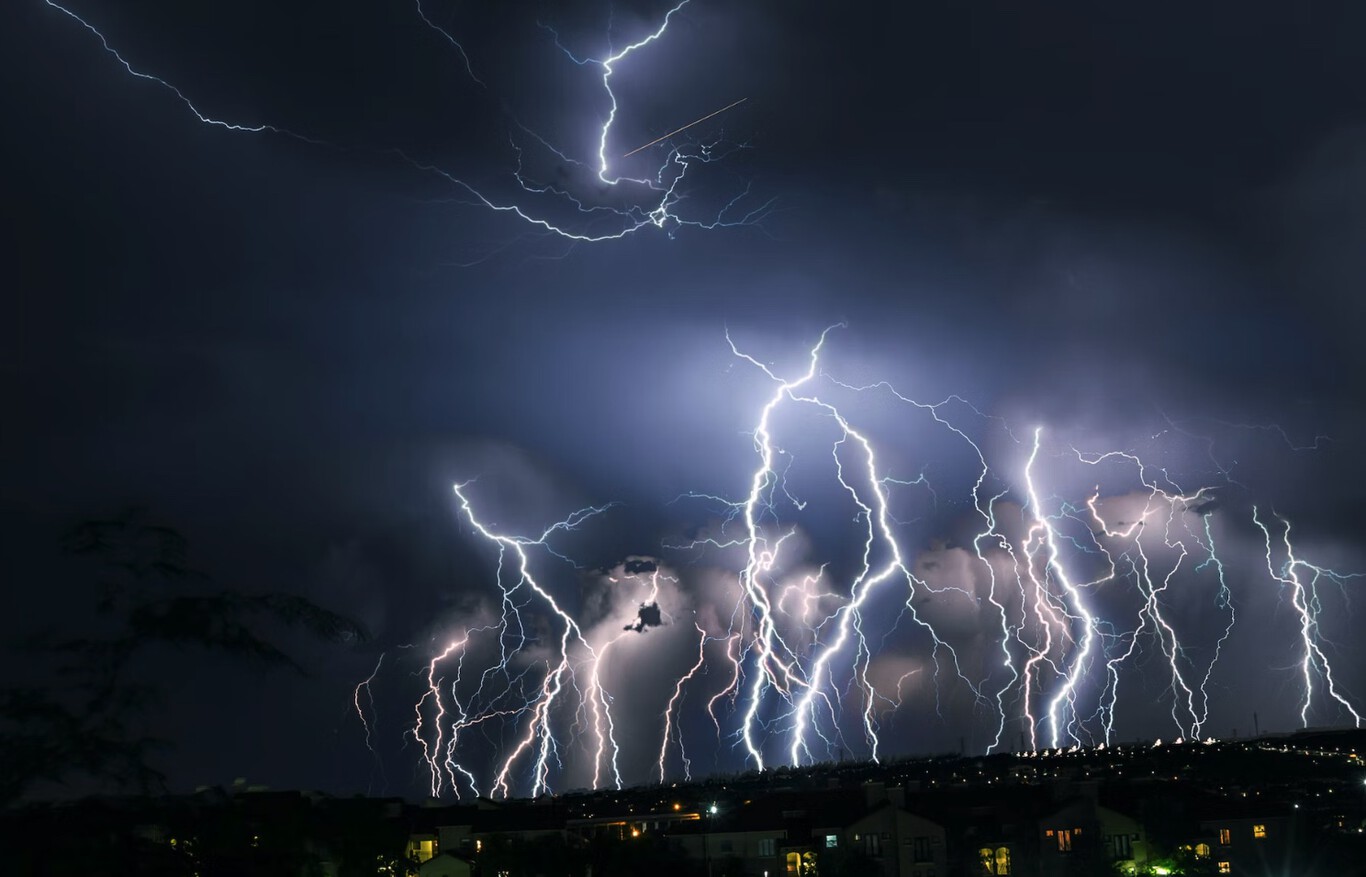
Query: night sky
{"x": 1139, "y": 226}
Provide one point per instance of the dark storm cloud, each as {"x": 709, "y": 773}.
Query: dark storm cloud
{"x": 1099, "y": 218}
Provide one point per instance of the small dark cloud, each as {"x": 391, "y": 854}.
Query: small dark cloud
{"x": 648, "y": 616}
{"x": 1204, "y": 507}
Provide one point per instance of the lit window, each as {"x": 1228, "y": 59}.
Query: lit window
{"x": 1259, "y": 832}
{"x": 995, "y": 861}
{"x": 423, "y": 850}
{"x": 1064, "y": 841}
{"x": 1225, "y": 867}
{"x": 1202, "y": 851}
{"x": 832, "y": 841}
{"x": 1225, "y": 837}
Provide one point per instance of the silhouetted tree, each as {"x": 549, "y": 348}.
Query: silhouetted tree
{"x": 363, "y": 842}
{"x": 83, "y": 720}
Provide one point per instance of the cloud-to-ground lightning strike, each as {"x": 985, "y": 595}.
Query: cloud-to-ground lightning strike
{"x": 1042, "y": 620}
{"x": 369, "y": 725}
{"x": 369, "y": 694}
{"x": 636, "y": 204}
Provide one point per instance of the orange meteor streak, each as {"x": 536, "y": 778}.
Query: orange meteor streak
{"x": 685, "y": 127}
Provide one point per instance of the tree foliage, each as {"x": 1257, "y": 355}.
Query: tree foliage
{"x": 84, "y": 717}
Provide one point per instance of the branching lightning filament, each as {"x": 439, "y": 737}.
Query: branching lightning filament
{"x": 1036, "y": 622}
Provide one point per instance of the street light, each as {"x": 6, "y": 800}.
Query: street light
{"x": 706, "y": 850}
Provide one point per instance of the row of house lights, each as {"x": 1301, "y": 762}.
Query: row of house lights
{"x": 1259, "y": 830}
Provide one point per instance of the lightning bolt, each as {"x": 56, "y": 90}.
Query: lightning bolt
{"x": 446, "y": 35}
{"x": 1069, "y": 599}
{"x": 653, "y": 202}
{"x": 1305, "y": 601}
{"x": 431, "y": 753}
{"x": 538, "y": 740}
{"x": 360, "y": 712}
{"x": 672, "y": 707}
{"x": 368, "y": 725}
